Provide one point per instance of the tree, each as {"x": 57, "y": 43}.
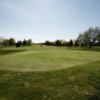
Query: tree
{"x": 97, "y": 42}
{"x": 71, "y": 43}
{"x": 24, "y": 42}
{"x": 29, "y": 42}
{"x": 11, "y": 41}
{"x": 6, "y": 42}
{"x": 18, "y": 44}
{"x": 58, "y": 43}
{"x": 90, "y": 37}
{"x": 62, "y": 43}
{"x": 76, "y": 43}
{"x": 47, "y": 42}
{"x": 1, "y": 41}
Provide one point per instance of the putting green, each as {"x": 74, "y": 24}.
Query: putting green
{"x": 46, "y": 59}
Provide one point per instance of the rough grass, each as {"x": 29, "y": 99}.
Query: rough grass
{"x": 80, "y": 82}
{"x": 75, "y": 83}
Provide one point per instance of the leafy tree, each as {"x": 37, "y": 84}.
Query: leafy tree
{"x": 62, "y": 43}
{"x": 90, "y": 37}
{"x": 29, "y": 42}
{"x": 18, "y": 44}
{"x": 24, "y": 42}
{"x": 58, "y": 43}
{"x": 71, "y": 43}
{"x": 47, "y": 42}
{"x": 11, "y": 41}
{"x": 1, "y": 41}
{"x": 6, "y": 42}
{"x": 76, "y": 43}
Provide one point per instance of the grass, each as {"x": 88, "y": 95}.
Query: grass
{"x": 49, "y": 73}
{"x": 44, "y": 59}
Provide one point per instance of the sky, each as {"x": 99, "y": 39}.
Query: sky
{"x": 43, "y": 20}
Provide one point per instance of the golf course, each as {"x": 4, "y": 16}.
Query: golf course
{"x": 49, "y": 73}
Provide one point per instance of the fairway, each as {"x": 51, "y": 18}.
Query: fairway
{"x": 39, "y": 58}
{"x": 49, "y": 73}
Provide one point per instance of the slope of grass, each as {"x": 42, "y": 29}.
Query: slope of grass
{"x": 75, "y": 83}
{"x": 32, "y": 74}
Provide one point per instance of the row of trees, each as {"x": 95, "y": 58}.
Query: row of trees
{"x": 62, "y": 43}
{"x": 90, "y": 37}
{"x": 24, "y": 43}
{"x": 7, "y": 42}
{"x": 12, "y": 42}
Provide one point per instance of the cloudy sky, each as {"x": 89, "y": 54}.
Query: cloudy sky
{"x": 43, "y": 20}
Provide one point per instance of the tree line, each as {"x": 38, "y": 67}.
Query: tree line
{"x": 12, "y": 42}
{"x": 88, "y": 38}
{"x": 59, "y": 43}
{"x": 70, "y": 43}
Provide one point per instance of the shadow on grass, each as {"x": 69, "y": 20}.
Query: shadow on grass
{"x": 4, "y": 52}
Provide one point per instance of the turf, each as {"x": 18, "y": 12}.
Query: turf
{"x": 61, "y": 80}
{"x": 44, "y": 59}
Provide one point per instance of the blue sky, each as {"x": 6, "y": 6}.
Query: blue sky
{"x": 43, "y": 20}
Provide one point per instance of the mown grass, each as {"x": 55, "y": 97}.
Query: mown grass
{"x": 78, "y": 82}
{"x": 44, "y": 58}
